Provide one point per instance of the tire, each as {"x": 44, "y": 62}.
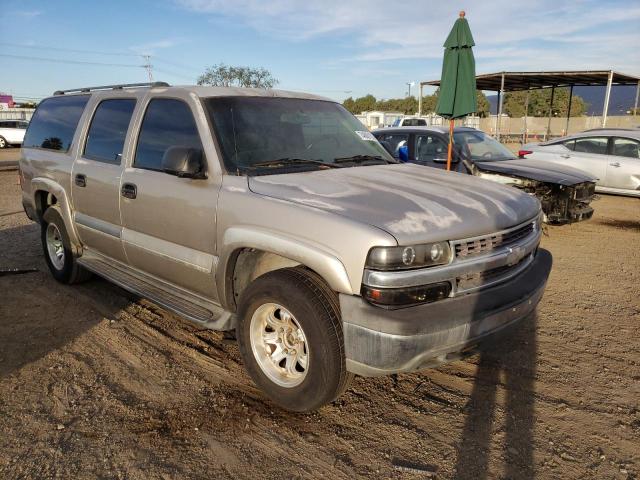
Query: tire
{"x": 301, "y": 301}
{"x": 3, "y": 143}
{"x": 57, "y": 249}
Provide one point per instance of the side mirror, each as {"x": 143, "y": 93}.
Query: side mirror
{"x": 184, "y": 162}
{"x": 403, "y": 153}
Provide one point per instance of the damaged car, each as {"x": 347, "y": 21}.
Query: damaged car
{"x": 564, "y": 192}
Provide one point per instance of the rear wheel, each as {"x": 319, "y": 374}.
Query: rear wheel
{"x": 290, "y": 338}
{"x": 57, "y": 249}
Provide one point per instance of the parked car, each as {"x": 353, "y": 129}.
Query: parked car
{"x": 410, "y": 122}
{"x": 564, "y": 192}
{"x": 612, "y": 155}
{"x": 276, "y": 214}
{"x": 12, "y": 132}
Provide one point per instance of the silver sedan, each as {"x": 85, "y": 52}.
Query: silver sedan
{"x": 611, "y": 155}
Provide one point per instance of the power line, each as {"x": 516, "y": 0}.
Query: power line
{"x": 61, "y": 60}
{"x": 59, "y": 49}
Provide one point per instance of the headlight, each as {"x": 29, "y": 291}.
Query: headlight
{"x": 403, "y": 258}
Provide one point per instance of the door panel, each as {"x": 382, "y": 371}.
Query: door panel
{"x": 585, "y": 153}
{"x": 623, "y": 166}
{"x": 95, "y": 183}
{"x": 170, "y": 222}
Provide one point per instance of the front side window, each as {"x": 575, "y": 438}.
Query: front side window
{"x": 54, "y": 122}
{"x": 255, "y": 130}
{"x": 167, "y": 123}
{"x": 596, "y": 145}
{"x": 430, "y": 147}
{"x": 394, "y": 141}
{"x": 625, "y": 147}
{"x": 108, "y": 130}
{"x": 479, "y": 147}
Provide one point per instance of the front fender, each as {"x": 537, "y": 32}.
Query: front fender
{"x": 50, "y": 186}
{"x": 327, "y": 265}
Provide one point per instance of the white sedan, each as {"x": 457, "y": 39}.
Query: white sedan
{"x": 611, "y": 155}
{"x": 12, "y": 132}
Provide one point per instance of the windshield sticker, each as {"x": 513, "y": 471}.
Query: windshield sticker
{"x": 367, "y": 136}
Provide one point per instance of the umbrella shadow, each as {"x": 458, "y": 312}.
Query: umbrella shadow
{"x": 511, "y": 365}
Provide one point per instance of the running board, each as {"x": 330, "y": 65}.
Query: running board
{"x": 196, "y": 309}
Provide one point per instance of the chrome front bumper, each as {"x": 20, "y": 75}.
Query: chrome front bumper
{"x": 381, "y": 342}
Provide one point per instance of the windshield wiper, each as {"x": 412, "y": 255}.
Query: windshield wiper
{"x": 362, "y": 158}
{"x": 290, "y": 161}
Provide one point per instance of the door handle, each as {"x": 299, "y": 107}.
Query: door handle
{"x": 565, "y": 156}
{"x": 81, "y": 180}
{"x": 129, "y": 190}
{"x": 615, "y": 164}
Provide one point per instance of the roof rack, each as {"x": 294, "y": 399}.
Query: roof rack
{"x": 111, "y": 87}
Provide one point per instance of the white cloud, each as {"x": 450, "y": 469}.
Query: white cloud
{"x": 151, "y": 47}
{"x": 537, "y": 34}
{"x": 26, "y": 13}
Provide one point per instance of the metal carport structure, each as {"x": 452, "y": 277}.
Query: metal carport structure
{"x": 502, "y": 82}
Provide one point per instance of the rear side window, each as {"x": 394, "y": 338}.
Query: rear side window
{"x": 108, "y": 130}
{"x": 167, "y": 123}
{"x": 54, "y": 122}
{"x": 588, "y": 145}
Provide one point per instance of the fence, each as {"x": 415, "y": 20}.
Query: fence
{"x": 512, "y": 129}
{"x": 16, "y": 114}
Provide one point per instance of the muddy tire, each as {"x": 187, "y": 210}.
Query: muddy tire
{"x": 290, "y": 338}
{"x": 57, "y": 249}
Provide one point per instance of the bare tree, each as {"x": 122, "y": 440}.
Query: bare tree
{"x": 222, "y": 75}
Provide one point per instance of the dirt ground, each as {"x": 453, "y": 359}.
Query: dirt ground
{"x": 96, "y": 383}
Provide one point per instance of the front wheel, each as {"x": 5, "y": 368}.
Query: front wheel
{"x": 3, "y": 143}
{"x": 290, "y": 337}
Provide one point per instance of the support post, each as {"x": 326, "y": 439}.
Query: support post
{"x": 500, "y": 100}
{"x": 553, "y": 92}
{"x": 420, "y": 99}
{"x": 526, "y": 115}
{"x": 566, "y": 130}
{"x": 635, "y": 106}
{"x": 450, "y": 150}
{"x": 607, "y": 95}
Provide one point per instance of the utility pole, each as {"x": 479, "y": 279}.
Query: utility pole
{"x": 148, "y": 67}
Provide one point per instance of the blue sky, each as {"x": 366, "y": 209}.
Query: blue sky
{"x": 333, "y": 48}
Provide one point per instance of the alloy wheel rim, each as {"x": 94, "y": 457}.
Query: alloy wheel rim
{"x": 279, "y": 345}
{"x": 2, "y": 143}
{"x": 55, "y": 247}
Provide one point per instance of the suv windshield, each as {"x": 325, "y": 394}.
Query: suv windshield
{"x": 479, "y": 147}
{"x": 261, "y": 135}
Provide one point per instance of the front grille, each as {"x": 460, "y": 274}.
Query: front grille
{"x": 486, "y": 244}
{"x": 480, "y": 279}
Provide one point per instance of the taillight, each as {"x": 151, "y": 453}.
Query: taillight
{"x": 523, "y": 153}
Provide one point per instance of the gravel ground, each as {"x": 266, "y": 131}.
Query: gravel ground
{"x": 96, "y": 383}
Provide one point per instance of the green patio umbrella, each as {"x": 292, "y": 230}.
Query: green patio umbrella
{"x": 457, "y": 96}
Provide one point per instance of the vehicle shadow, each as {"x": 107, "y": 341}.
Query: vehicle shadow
{"x": 37, "y": 314}
{"x": 509, "y": 364}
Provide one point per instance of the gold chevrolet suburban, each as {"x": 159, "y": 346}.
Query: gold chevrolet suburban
{"x": 278, "y": 215}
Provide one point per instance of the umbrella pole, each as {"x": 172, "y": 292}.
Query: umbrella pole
{"x": 450, "y": 145}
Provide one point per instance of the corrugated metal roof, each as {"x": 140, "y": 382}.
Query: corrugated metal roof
{"x": 514, "y": 81}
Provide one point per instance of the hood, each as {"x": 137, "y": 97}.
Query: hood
{"x": 537, "y": 170}
{"x": 413, "y": 203}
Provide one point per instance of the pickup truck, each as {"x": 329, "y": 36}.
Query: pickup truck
{"x": 276, "y": 215}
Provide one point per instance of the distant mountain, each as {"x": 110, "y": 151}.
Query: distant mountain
{"x": 622, "y": 99}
